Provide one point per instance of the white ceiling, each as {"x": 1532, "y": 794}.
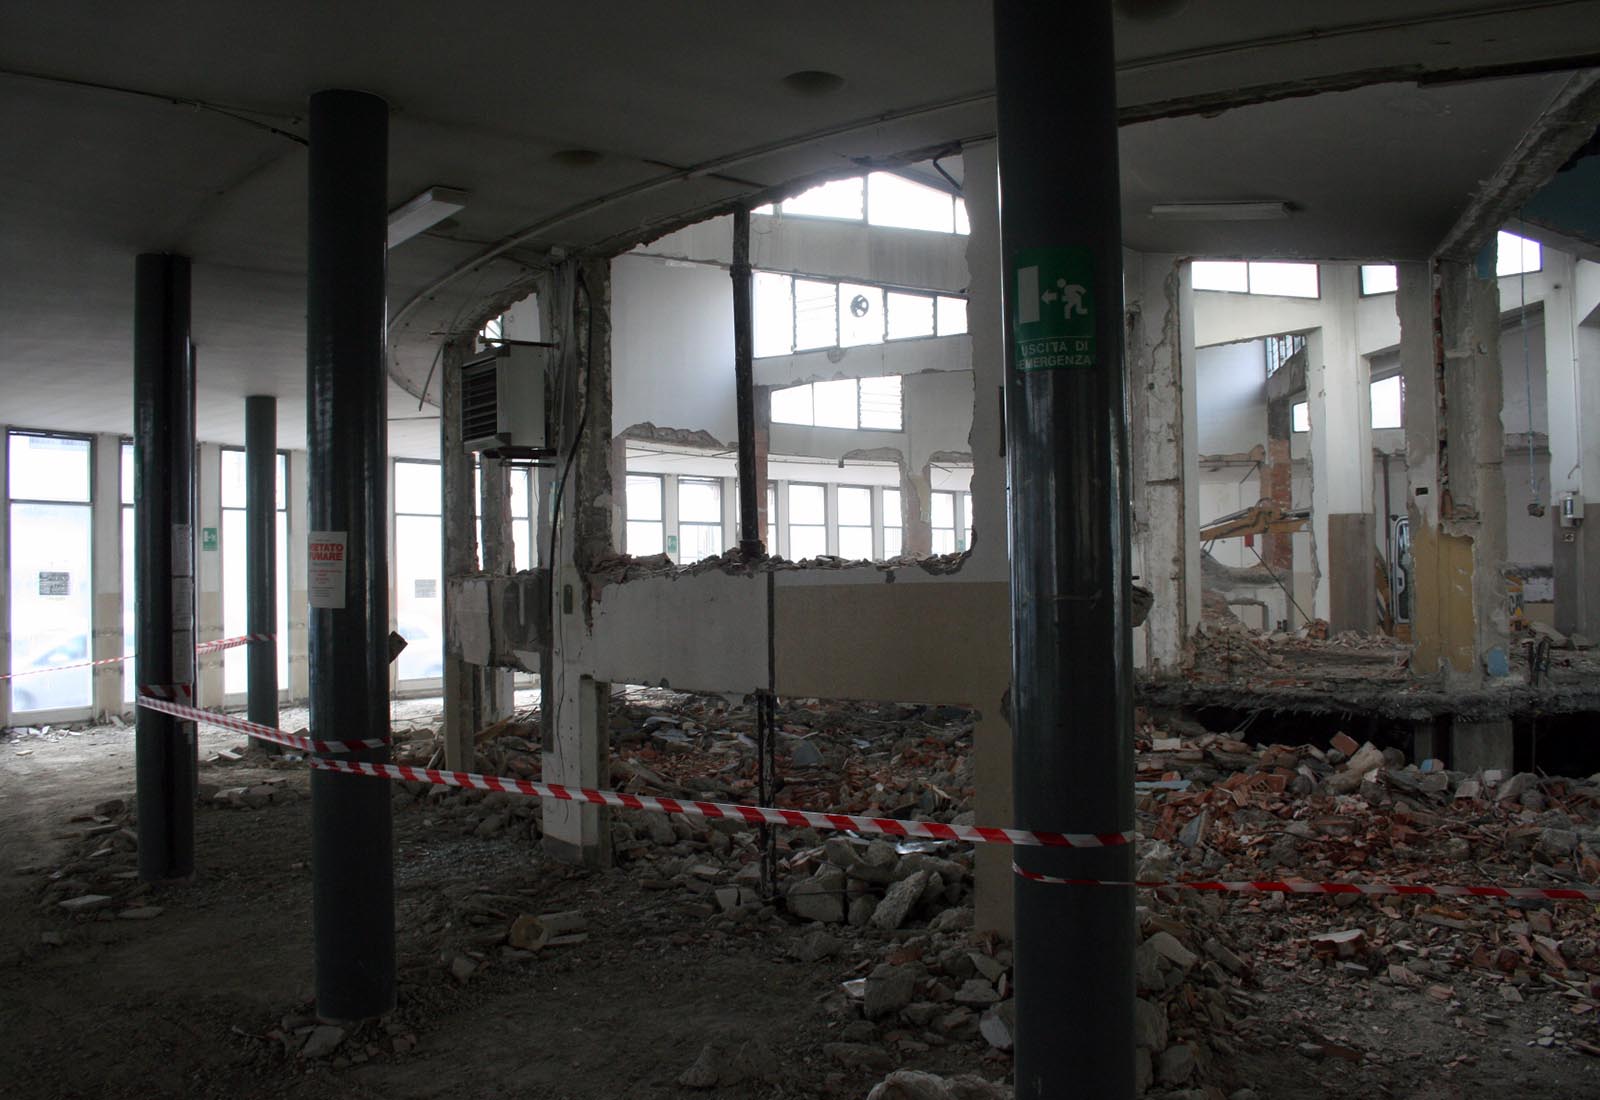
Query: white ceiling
{"x": 686, "y": 105}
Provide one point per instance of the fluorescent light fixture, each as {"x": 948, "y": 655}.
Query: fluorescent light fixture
{"x": 1220, "y": 211}
{"x": 424, "y": 212}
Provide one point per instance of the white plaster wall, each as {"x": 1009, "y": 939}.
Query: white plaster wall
{"x": 1221, "y": 492}
{"x": 672, "y": 346}
{"x": 938, "y": 414}
{"x": 1231, "y": 398}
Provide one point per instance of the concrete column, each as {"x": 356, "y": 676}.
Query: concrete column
{"x": 730, "y": 512}
{"x": 1450, "y": 357}
{"x": 208, "y": 574}
{"x": 1337, "y": 380}
{"x": 463, "y": 711}
{"x": 916, "y": 510}
{"x": 499, "y": 556}
{"x": 106, "y": 523}
{"x": 299, "y": 570}
{"x": 1161, "y": 400}
{"x": 1277, "y": 470}
{"x": 577, "y": 743}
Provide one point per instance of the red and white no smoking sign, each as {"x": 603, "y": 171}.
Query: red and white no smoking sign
{"x": 327, "y": 571}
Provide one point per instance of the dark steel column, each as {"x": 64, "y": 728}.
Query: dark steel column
{"x": 1067, "y": 463}
{"x": 261, "y": 556}
{"x": 352, "y": 857}
{"x": 744, "y": 387}
{"x": 163, "y": 473}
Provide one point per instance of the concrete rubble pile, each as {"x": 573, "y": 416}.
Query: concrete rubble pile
{"x": 98, "y": 878}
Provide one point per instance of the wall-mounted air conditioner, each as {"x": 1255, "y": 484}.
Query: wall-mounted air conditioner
{"x": 502, "y": 402}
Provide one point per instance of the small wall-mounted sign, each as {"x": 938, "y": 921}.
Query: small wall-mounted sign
{"x": 208, "y": 538}
{"x": 55, "y": 584}
{"x": 672, "y": 546}
{"x": 427, "y": 589}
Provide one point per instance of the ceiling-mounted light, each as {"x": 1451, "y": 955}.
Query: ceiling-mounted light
{"x": 1220, "y": 211}
{"x": 424, "y": 212}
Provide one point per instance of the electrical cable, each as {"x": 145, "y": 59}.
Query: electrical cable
{"x": 1527, "y": 373}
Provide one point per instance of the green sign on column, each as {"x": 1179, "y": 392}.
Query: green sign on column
{"x": 1053, "y": 305}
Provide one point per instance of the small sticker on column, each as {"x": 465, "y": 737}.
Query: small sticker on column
{"x": 1053, "y": 309}
{"x": 327, "y": 569}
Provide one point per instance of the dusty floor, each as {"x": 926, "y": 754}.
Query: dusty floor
{"x": 194, "y": 1001}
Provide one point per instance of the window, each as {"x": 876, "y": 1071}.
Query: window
{"x": 855, "y": 523}
{"x": 808, "y": 521}
{"x": 646, "y": 533}
{"x": 52, "y": 599}
{"x": 884, "y": 199}
{"x": 521, "y": 502}
{"x": 236, "y": 576}
{"x": 418, "y": 602}
{"x": 126, "y": 511}
{"x": 1300, "y": 417}
{"x": 699, "y": 518}
{"x": 1379, "y": 279}
{"x": 1280, "y": 349}
{"x": 1516, "y": 255}
{"x": 952, "y": 522}
{"x": 872, "y": 403}
{"x": 1388, "y": 402}
{"x": 793, "y": 313}
{"x": 893, "y": 530}
{"x": 1286, "y": 280}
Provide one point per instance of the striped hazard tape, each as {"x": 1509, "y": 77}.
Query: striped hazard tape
{"x": 203, "y": 647}
{"x": 750, "y": 815}
{"x": 1380, "y": 889}
{"x": 254, "y": 729}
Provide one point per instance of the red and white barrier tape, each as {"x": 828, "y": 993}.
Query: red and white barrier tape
{"x": 230, "y": 643}
{"x": 750, "y": 815}
{"x": 1379, "y": 889}
{"x": 172, "y": 693}
{"x": 265, "y": 733}
{"x": 203, "y": 647}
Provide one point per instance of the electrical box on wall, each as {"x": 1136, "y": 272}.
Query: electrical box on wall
{"x": 1571, "y": 509}
{"x": 503, "y": 402}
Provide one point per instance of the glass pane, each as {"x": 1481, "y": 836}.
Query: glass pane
{"x": 1220, "y": 275}
{"x": 860, "y": 315}
{"x": 944, "y": 541}
{"x": 1379, "y": 278}
{"x": 952, "y": 316}
{"x": 644, "y": 497}
{"x": 282, "y": 612}
{"x": 127, "y": 473}
{"x": 966, "y": 520}
{"x": 773, "y": 306}
{"x": 880, "y": 403}
{"x": 792, "y": 405}
{"x": 835, "y": 199}
{"x": 51, "y": 604}
{"x": 522, "y": 543}
{"x": 855, "y": 506}
{"x": 898, "y": 202}
{"x": 1515, "y": 255}
{"x": 127, "y": 598}
{"x": 698, "y": 540}
{"x": 1300, "y": 417}
{"x": 807, "y": 505}
{"x": 644, "y": 537}
{"x": 521, "y": 498}
{"x": 910, "y": 315}
{"x": 418, "y": 600}
{"x": 699, "y": 500}
{"x": 944, "y": 510}
{"x": 1387, "y": 396}
{"x": 836, "y": 403}
{"x": 282, "y": 487}
{"x": 807, "y": 542}
{"x": 963, "y": 226}
{"x": 891, "y": 542}
{"x": 815, "y": 315}
{"x": 233, "y": 487}
{"x": 46, "y": 468}
{"x": 235, "y": 594}
{"x": 891, "y": 508}
{"x": 855, "y": 543}
{"x": 416, "y": 488}
{"x": 1284, "y": 280}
